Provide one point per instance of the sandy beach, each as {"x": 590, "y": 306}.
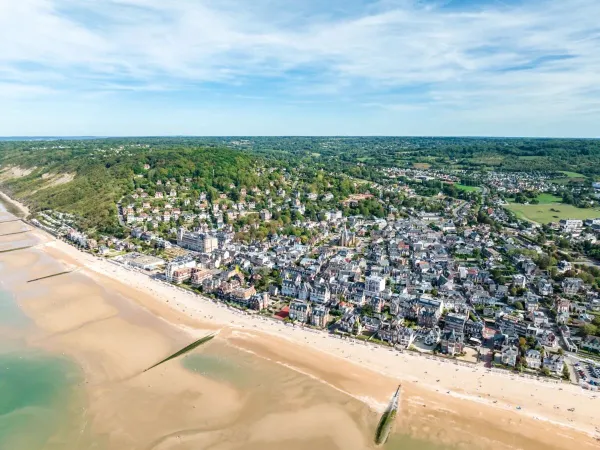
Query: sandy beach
{"x": 115, "y": 322}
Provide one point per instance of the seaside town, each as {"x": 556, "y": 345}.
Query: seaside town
{"x": 420, "y": 262}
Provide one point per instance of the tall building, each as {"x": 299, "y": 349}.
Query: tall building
{"x": 347, "y": 238}
{"x": 374, "y": 285}
{"x": 198, "y": 242}
{"x": 175, "y": 269}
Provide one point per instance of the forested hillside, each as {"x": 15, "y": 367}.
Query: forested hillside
{"x": 87, "y": 178}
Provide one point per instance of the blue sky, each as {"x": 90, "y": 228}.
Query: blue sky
{"x": 300, "y": 67}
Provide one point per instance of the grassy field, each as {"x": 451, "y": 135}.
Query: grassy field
{"x": 552, "y": 212}
{"x": 545, "y": 199}
{"x": 462, "y": 187}
{"x": 572, "y": 174}
{"x": 569, "y": 177}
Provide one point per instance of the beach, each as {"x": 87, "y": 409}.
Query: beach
{"x": 116, "y": 322}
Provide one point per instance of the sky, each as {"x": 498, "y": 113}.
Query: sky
{"x": 300, "y": 67}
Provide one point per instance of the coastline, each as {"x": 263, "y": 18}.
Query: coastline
{"x": 362, "y": 371}
{"x": 14, "y": 207}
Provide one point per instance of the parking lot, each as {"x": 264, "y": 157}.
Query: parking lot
{"x": 588, "y": 373}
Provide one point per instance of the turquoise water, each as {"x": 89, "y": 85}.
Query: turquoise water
{"x": 37, "y": 399}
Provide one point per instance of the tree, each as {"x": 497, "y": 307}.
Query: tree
{"x": 589, "y": 330}
{"x": 519, "y": 306}
{"x": 565, "y": 373}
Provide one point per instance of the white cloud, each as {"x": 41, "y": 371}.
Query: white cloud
{"x": 531, "y": 58}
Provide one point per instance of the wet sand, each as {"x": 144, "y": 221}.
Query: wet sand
{"x": 296, "y": 396}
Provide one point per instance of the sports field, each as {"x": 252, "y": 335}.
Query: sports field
{"x": 552, "y": 212}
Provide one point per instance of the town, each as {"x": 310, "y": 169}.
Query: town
{"x": 455, "y": 273}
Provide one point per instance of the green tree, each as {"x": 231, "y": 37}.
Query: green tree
{"x": 589, "y": 330}
{"x": 519, "y": 306}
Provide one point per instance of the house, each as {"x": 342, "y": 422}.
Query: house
{"x": 548, "y": 339}
{"x": 455, "y": 322}
{"x": 371, "y": 324}
{"x": 452, "y": 343}
{"x": 509, "y": 355}
{"x": 571, "y": 225}
{"x": 544, "y": 288}
{"x": 320, "y": 293}
{"x": 265, "y": 215}
{"x": 350, "y": 323}
{"x": 429, "y": 312}
{"x": 299, "y": 311}
{"x": 533, "y": 358}
{"x": 243, "y": 295}
{"x": 374, "y": 285}
{"x": 377, "y": 304}
{"x": 571, "y": 286}
{"x": 591, "y": 344}
{"x": 396, "y": 334}
{"x": 319, "y": 316}
{"x": 259, "y": 301}
{"x": 519, "y": 281}
{"x": 555, "y": 363}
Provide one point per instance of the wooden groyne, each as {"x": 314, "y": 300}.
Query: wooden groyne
{"x": 387, "y": 419}
{"x": 184, "y": 350}
{"x": 15, "y": 249}
{"x": 16, "y": 232}
{"x": 49, "y": 276}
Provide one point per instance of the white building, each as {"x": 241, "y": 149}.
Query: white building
{"x": 177, "y": 264}
{"x": 199, "y": 242}
{"x": 533, "y": 359}
{"x": 374, "y": 285}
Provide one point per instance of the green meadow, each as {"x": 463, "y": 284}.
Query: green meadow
{"x": 552, "y": 212}
{"x": 465, "y": 188}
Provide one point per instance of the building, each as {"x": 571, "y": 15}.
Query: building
{"x": 259, "y": 302}
{"x": 452, "y": 343}
{"x": 299, "y": 311}
{"x": 198, "y": 242}
{"x": 429, "y": 312}
{"x": 591, "y": 344}
{"x": 455, "y": 322}
{"x": 509, "y": 355}
{"x": 545, "y": 288}
{"x": 319, "y": 316}
{"x": 180, "y": 275}
{"x": 571, "y": 286}
{"x": 265, "y": 215}
{"x": 177, "y": 264}
{"x": 198, "y": 276}
{"x": 571, "y": 225}
{"x": 320, "y": 293}
{"x": 374, "y": 285}
{"x": 533, "y": 358}
{"x": 555, "y": 363}
{"x": 243, "y": 294}
{"x": 140, "y": 261}
{"x": 347, "y": 238}
{"x": 513, "y": 326}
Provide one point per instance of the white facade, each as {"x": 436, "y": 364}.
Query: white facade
{"x": 374, "y": 285}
